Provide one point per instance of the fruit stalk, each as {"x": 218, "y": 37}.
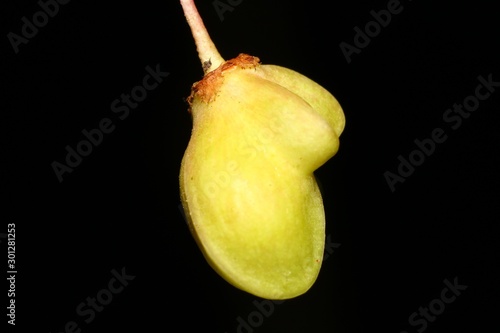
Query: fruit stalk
{"x": 207, "y": 52}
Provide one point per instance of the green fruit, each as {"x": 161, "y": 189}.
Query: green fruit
{"x": 247, "y": 177}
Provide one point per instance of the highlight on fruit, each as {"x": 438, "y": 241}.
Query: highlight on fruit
{"x": 247, "y": 181}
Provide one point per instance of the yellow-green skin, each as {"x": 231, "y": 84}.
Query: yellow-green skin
{"x": 246, "y": 179}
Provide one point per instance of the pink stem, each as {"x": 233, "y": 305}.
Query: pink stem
{"x": 207, "y": 52}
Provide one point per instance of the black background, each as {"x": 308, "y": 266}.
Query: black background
{"x": 119, "y": 207}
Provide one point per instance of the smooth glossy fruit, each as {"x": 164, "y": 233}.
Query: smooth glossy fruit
{"x": 246, "y": 179}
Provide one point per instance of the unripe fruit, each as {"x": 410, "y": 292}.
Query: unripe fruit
{"x": 246, "y": 179}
